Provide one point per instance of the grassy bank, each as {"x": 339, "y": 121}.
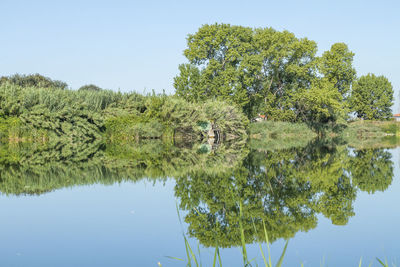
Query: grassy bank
{"x": 270, "y": 135}
{"x": 372, "y": 134}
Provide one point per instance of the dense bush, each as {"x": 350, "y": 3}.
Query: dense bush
{"x": 90, "y": 87}
{"x": 89, "y": 114}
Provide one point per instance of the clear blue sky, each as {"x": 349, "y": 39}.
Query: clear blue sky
{"x": 137, "y": 45}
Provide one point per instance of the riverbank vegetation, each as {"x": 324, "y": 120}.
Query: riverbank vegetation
{"x": 233, "y": 75}
{"x": 39, "y": 113}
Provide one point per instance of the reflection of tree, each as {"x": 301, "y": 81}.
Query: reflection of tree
{"x": 286, "y": 189}
{"x": 371, "y": 169}
{"x": 213, "y": 204}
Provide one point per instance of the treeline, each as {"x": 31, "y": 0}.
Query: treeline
{"x": 36, "y": 108}
{"x": 275, "y": 73}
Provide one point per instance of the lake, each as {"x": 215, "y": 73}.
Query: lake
{"x": 96, "y": 204}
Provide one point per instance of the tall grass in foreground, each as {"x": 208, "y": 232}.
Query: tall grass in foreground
{"x": 196, "y": 259}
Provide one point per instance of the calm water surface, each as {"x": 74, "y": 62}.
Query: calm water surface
{"x": 116, "y": 206}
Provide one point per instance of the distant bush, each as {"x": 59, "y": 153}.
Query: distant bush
{"x": 33, "y": 80}
{"x": 90, "y": 87}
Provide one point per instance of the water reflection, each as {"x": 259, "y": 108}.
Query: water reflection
{"x": 285, "y": 188}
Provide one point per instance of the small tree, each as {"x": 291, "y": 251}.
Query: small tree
{"x": 372, "y": 97}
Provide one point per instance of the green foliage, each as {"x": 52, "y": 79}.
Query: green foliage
{"x": 322, "y": 103}
{"x": 372, "y": 97}
{"x": 336, "y": 67}
{"x": 33, "y": 80}
{"x": 9, "y": 127}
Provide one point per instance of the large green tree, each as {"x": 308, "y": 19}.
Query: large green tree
{"x": 267, "y": 71}
{"x": 372, "y": 97}
{"x": 256, "y": 69}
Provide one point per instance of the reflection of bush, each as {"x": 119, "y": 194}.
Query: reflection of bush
{"x": 157, "y": 159}
{"x": 36, "y": 168}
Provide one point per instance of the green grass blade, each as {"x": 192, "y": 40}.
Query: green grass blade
{"x": 267, "y": 240}
{"x": 198, "y": 251}
{"x": 279, "y": 264}
{"x": 187, "y": 252}
{"x": 259, "y": 244}
{"x": 187, "y": 246}
{"x": 385, "y": 265}
{"x": 219, "y": 259}
{"x": 215, "y": 257}
{"x": 174, "y": 258}
{"x": 191, "y": 253}
{"x": 360, "y": 264}
{"x": 244, "y": 252}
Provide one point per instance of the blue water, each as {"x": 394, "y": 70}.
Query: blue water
{"x": 136, "y": 224}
